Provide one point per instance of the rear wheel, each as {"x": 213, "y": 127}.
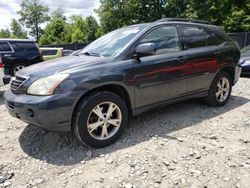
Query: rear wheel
{"x": 16, "y": 68}
{"x": 100, "y": 119}
{"x": 220, "y": 90}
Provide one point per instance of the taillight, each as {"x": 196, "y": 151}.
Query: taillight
{"x": 1, "y": 63}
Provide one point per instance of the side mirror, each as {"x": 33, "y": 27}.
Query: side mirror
{"x": 145, "y": 49}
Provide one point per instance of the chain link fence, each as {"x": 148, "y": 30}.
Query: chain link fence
{"x": 243, "y": 39}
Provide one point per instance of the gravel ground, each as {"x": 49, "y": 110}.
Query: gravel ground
{"x": 183, "y": 145}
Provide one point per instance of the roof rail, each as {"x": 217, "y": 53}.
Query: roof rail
{"x": 183, "y": 20}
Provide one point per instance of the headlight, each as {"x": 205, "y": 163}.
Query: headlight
{"x": 46, "y": 85}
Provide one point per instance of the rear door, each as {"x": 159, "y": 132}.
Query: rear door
{"x": 202, "y": 57}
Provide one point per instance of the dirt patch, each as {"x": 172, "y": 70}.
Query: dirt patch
{"x": 183, "y": 145}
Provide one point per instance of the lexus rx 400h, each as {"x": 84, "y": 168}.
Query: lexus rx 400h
{"x": 124, "y": 73}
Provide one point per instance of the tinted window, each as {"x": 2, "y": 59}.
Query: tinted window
{"x": 5, "y": 47}
{"x": 214, "y": 39}
{"x": 195, "y": 37}
{"x": 49, "y": 52}
{"x": 166, "y": 39}
{"x": 23, "y": 46}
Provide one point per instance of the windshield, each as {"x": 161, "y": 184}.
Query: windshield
{"x": 246, "y": 49}
{"x": 113, "y": 42}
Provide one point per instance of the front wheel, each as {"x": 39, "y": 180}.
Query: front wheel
{"x": 100, "y": 119}
{"x": 220, "y": 90}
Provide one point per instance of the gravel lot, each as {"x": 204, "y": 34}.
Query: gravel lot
{"x": 183, "y": 145}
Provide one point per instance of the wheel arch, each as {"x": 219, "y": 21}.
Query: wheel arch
{"x": 230, "y": 71}
{"x": 115, "y": 88}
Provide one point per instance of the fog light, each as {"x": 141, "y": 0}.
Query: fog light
{"x": 30, "y": 113}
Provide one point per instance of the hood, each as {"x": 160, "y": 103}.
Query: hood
{"x": 64, "y": 64}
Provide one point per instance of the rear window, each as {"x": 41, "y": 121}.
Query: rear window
{"x": 5, "y": 47}
{"x": 23, "y": 46}
{"x": 49, "y": 52}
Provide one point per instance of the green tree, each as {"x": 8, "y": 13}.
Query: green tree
{"x": 33, "y": 13}
{"x": 176, "y": 8}
{"x": 92, "y": 29}
{"x": 118, "y": 13}
{"x": 17, "y": 30}
{"x": 232, "y": 15}
{"x": 55, "y": 30}
{"x": 78, "y": 29}
{"x": 238, "y": 19}
{"x": 5, "y": 33}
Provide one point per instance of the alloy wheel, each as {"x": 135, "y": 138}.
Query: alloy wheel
{"x": 104, "y": 120}
{"x": 18, "y": 68}
{"x": 223, "y": 89}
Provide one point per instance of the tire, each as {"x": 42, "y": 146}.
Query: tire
{"x": 214, "y": 98}
{"x": 14, "y": 68}
{"x": 85, "y": 118}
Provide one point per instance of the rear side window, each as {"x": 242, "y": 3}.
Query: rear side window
{"x": 24, "y": 46}
{"x": 49, "y": 52}
{"x": 195, "y": 37}
{"x": 5, "y": 47}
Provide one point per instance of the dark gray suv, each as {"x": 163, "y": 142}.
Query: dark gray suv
{"x": 123, "y": 73}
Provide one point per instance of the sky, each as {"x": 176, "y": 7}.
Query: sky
{"x": 8, "y": 8}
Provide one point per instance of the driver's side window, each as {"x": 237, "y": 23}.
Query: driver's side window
{"x": 166, "y": 39}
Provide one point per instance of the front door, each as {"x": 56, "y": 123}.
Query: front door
{"x": 161, "y": 76}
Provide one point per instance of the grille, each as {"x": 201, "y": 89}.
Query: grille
{"x": 16, "y": 83}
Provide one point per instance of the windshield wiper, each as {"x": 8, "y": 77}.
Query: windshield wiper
{"x": 91, "y": 54}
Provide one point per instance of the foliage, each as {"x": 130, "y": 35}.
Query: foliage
{"x": 55, "y": 31}
{"x": 5, "y": 33}
{"x": 77, "y": 30}
{"x": 117, "y": 13}
{"x": 17, "y": 30}
{"x": 92, "y": 29}
{"x": 232, "y": 15}
{"x": 238, "y": 19}
{"x": 33, "y": 13}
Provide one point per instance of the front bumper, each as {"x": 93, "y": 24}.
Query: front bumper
{"x": 6, "y": 79}
{"x": 49, "y": 112}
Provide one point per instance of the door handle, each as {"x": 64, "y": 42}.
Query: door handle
{"x": 217, "y": 52}
{"x": 181, "y": 59}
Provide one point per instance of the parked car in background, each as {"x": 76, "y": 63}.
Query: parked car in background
{"x": 67, "y": 52}
{"x": 18, "y": 53}
{"x": 126, "y": 72}
{"x": 51, "y": 53}
{"x": 245, "y": 61}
